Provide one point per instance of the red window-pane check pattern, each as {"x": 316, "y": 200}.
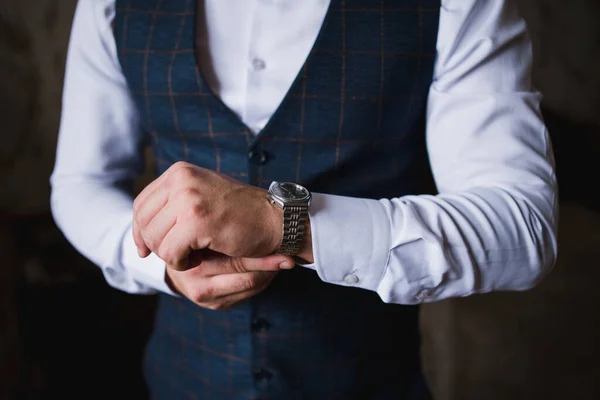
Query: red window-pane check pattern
{"x": 351, "y": 124}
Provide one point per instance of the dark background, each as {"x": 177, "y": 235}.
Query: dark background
{"x": 64, "y": 332}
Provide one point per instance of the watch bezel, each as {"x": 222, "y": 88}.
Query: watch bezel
{"x": 281, "y": 201}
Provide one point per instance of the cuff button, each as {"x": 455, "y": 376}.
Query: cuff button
{"x": 351, "y": 279}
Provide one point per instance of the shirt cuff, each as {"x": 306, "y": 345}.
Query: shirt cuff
{"x": 149, "y": 271}
{"x": 351, "y": 240}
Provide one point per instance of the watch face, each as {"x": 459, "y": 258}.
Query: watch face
{"x": 290, "y": 191}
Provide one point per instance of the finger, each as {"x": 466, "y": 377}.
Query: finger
{"x": 183, "y": 247}
{"x": 147, "y": 191}
{"x": 211, "y": 263}
{"x": 212, "y": 288}
{"x": 143, "y": 250}
{"x": 153, "y": 204}
{"x": 273, "y": 262}
{"x": 141, "y": 198}
{"x": 156, "y": 231}
{"x": 230, "y": 301}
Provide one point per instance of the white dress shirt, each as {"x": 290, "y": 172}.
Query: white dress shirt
{"x": 492, "y": 227}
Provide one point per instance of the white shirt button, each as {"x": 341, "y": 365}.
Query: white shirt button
{"x": 351, "y": 279}
{"x": 424, "y": 294}
{"x": 258, "y": 64}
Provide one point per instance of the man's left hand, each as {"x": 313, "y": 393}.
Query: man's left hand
{"x": 191, "y": 208}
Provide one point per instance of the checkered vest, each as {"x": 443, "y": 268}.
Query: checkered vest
{"x": 352, "y": 124}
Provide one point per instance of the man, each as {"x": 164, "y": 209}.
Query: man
{"x": 351, "y": 100}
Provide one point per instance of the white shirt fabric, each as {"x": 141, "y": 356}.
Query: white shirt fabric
{"x": 492, "y": 227}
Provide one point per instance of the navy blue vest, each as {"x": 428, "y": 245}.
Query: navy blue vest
{"x": 352, "y": 124}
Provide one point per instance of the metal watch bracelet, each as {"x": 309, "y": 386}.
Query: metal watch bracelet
{"x": 294, "y": 223}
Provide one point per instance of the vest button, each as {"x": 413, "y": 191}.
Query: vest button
{"x": 262, "y": 376}
{"x": 258, "y": 157}
{"x": 258, "y": 64}
{"x": 260, "y": 325}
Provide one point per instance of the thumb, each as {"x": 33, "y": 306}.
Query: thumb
{"x": 273, "y": 262}
{"x": 213, "y": 263}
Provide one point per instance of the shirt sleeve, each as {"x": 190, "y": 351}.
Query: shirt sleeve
{"x": 493, "y": 224}
{"x": 99, "y": 154}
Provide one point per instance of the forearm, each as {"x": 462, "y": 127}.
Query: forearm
{"x": 481, "y": 240}
{"x": 96, "y": 218}
{"x": 425, "y": 248}
{"x": 492, "y": 227}
{"x": 99, "y": 154}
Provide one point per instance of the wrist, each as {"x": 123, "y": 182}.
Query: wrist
{"x": 275, "y": 218}
{"x": 293, "y": 227}
{"x": 276, "y": 223}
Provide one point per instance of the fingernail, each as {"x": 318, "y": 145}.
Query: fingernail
{"x": 286, "y": 265}
{"x": 140, "y": 252}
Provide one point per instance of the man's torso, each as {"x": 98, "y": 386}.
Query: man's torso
{"x": 352, "y": 124}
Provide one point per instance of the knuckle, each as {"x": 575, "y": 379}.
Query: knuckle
{"x": 236, "y": 264}
{"x": 190, "y": 194}
{"x": 181, "y": 175}
{"x": 180, "y": 164}
{"x": 197, "y": 209}
{"x": 190, "y": 199}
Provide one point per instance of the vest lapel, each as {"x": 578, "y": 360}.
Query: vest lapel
{"x": 204, "y": 70}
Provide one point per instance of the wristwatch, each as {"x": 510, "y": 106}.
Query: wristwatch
{"x": 294, "y": 200}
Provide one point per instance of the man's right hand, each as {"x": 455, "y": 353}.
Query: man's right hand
{"x": 220, "y": 282}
